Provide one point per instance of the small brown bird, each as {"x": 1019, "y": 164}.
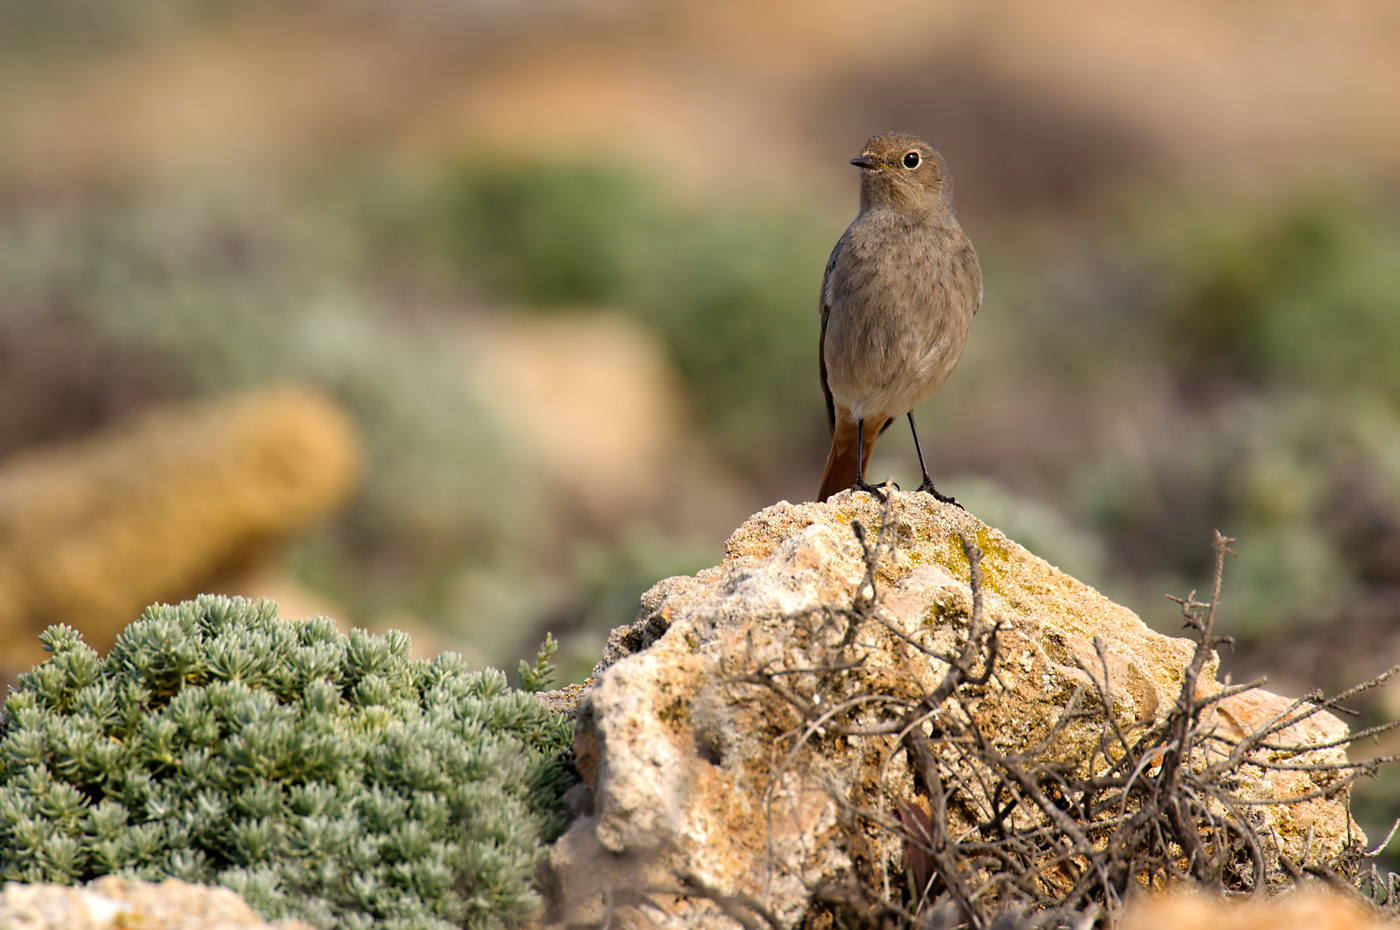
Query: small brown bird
{"x": 898, "y": 297}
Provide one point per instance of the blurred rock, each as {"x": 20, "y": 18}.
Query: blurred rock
{"x": 111, "y": 903}
{"x": 93, "y": 531}
{"x": 1305, "y": 910}
{"x": 595, "y": 403}
{"x": 686, "y": 768}
{"x": 265, "y": 579}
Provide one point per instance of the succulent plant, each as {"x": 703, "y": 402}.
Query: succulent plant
{"x": 323, "y": 776}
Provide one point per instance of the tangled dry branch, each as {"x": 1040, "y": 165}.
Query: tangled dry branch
{"x": 1016, "y": 838}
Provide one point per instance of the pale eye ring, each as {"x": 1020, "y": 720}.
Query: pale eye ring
{"x": 911, "y": 160}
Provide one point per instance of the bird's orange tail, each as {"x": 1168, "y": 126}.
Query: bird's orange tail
{"x": 840, "y": 472}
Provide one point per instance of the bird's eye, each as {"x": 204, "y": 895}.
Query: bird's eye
{"x": 911, "y": 160}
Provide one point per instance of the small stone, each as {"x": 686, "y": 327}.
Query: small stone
{"x": 111, "y": 902}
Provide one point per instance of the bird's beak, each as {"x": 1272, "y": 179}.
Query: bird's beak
{"x": 866, "y": 161}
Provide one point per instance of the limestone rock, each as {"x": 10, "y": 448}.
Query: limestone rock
{"x": 111, "y": 902}
{"x": 693, "y": 774}
{"x": 93, "y": 531}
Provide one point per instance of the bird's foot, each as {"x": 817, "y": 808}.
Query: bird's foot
{"x": 942, "y": 498}
{"x": 876, "y": 490}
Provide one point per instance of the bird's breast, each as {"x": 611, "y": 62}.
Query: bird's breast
{"x": 900, "y": 300}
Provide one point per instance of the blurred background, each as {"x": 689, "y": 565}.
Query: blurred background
{"x": 475, "y": 318}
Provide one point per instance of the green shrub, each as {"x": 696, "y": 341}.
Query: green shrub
{"x": 1299, "y": 294}
{"x": 322, "y": 776}
{"x": 546, "y": 234}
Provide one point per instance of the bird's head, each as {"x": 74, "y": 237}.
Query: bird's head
{"x": 902, "y": 171}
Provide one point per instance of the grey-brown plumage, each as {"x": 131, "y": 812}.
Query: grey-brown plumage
{"x": 897, "y": 301}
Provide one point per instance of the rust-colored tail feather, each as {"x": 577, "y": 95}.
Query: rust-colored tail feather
{"x": 840, "y": 471}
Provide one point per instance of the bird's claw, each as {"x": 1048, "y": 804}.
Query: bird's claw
{"x": 928, "y": 487}
{"x": 876, "y": 490}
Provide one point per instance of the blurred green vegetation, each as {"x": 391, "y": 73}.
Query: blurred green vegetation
{"x": 58, "y": 31}
{"x": 354, "y": 282}
{"x": 556, "y": 236}
{"x": 1247, "y": 344}
{"x": 730, "y": 287}
{"x": 1277, "y": 332}
{"x": 1297, "y": 296}
{"x": 1261, "y": 335}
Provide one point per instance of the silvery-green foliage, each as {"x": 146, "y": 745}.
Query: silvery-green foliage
{"x": 321, "y": 776}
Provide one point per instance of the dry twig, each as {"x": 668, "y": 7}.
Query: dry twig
{"x": 994, "y": 833}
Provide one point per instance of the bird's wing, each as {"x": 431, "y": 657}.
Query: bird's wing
{"x": 976, "y": 270}
{"x": 821, "y": 345}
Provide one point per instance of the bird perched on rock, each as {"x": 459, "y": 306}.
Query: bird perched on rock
{"x": 897, "y": 301}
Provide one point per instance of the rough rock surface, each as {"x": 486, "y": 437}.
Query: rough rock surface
{"x": 690, "y": 771}
{"x": 110, "y": 903}
{"x": 93, "y": 531}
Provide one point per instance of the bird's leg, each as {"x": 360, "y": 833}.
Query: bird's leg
{"x": 928, "y": 482}
{"x": 861, "y": 484}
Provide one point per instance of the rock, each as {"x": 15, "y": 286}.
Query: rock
{"x": 693, "y": 775}
{"x": 598, "y": 407}
{"x": 93, "y": 531}
{"x": 112, "y": 902}
{"x": 552, "y": 378}
{"x": 1305, "y": 910}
